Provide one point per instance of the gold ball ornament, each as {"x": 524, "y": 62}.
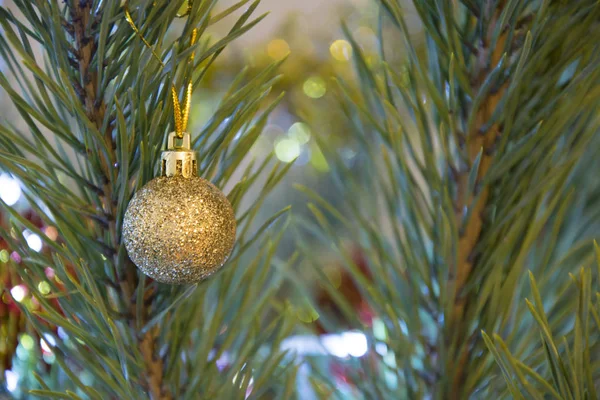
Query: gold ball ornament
{"x": 179, "y": 228}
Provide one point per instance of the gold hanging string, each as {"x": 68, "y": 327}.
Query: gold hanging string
{"x": 139, "y": 34}
{"x": 181, "y": 111}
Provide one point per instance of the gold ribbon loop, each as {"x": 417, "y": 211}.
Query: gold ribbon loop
{"x": 181, "y": 111}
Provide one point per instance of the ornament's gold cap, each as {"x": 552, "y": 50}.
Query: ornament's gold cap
{"x": 179, "y": 160}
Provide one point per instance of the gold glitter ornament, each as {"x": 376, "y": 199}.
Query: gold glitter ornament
{"x": 179, "y": 228}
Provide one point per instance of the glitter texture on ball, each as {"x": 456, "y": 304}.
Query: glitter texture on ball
{"x": 179, "y": 230}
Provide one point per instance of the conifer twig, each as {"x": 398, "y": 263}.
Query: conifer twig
{"x": 482, "y": 137}
{"x": 86, "y": 46}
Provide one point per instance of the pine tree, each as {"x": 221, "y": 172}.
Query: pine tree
{"x": 478, "y": 162}
{"x": 95, "y": 97}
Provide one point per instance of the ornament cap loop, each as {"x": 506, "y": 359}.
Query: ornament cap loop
{"x": 179, "y": 160}
{"x": 185, "y": 139}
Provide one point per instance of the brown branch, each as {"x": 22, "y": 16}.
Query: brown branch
{"x": 82, "y": 21}
{"x": 483, "y": 136}
{"x": 154, "y": 366}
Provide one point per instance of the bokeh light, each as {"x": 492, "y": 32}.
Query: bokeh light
{"x": 278, "y": 49}
{"x": 10, "y": 190}
{"x": 45, "y": 346}
{"x": 86, "y": 378}
{"x": 50, "y": 339}
{"x": 18, "y": 293}
{"x": 27, "y": 342}
{"x": 379, "y": 329}
{"x": 357, "y": 343}
{"x": 346, "y": 344}
{"x": 315, "y": 87}
{"x": 381, "y": 348}
{"x": 33, "y": 240}
{"x": 49, "y": 273}
{"x": 51, "y": 232}
{"x": 16, "y": 257}
{"x": 49, "y": 358}
{"x": 44, "y": 288}
{"x": 4, "y": 256}
{"x": 12, "y": 380}
{"x": 300, "y": 132}
{"x": 287, "y": 149}
{"x": 62, "y": 333}
{"x": 341, "y": 50}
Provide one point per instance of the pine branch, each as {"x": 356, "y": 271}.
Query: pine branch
{"x": 480, "y": 144}
{"x": 470, "y": 155}
{"x": 154, "y": 365}
{"x": 82, "y": 17}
